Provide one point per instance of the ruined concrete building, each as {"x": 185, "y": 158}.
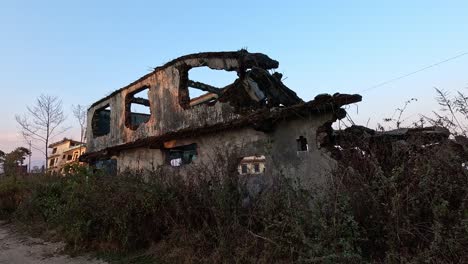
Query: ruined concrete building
{"x": 255, "y": 118}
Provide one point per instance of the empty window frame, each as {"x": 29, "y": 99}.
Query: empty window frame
{"x": 181, "y": 155}
{"x": 194, "y": 90}
{"x": 302, "y": 144}
{"x": 54, "y": 150}
{"x": 101, "y": 121}
{"x": 137, "y": 108}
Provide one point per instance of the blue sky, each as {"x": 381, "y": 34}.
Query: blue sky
{"x": 82, "y": 50}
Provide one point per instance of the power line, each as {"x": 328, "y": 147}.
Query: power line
{"x": 414, "y": 72}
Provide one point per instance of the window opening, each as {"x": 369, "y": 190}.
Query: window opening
{"x": 137, "y": 107}
{"x": 245, "y": 168}
{"x": 302, "y": 144}
{"x": 101, "y": 121}
{"x": 256, "y": 167}
{"x": 203, "y": 85}
{"x": 181, "y": 155}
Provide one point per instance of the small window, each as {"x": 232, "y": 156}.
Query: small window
{"x": 54, "y": 151}
{"x": 51, "y": 163}
{"x": 181, "y": 155}
{"x": 256, "y": 168}
{"x": 63, "y": 157}
{"x": 302, "y": 144}
{"x": 137, "y": 108}
{"x": 252, "y": 165}
{"x": 101, "y": 121}
{"x": 244, "y": 169}
{"x": 69, "y": 157}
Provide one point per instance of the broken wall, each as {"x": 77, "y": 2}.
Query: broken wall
{"x": 219, "y": 154}
{"x": 169, "y": 111}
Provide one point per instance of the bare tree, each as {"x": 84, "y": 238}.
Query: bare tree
{"x": 80, "y": 112}
{"x": 2, "y": 162}
{"x": 42, "y": 122}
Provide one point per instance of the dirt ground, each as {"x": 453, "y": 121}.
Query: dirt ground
{"x": 20, "y": 249}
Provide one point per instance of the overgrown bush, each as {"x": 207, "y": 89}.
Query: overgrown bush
{"x": 385, "y": 202}
{"x": 12, "y": 194}
{"x": 409, "y": 198}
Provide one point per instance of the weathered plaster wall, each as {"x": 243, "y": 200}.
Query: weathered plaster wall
{"x": 220, "y": 152}
{"x": 139, "y": 159}
{"x": 166, "y": 113}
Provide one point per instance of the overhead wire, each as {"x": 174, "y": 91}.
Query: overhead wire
{"x": 412, "y": 73}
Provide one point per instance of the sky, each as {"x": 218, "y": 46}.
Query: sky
{"x": 81, "y": 51}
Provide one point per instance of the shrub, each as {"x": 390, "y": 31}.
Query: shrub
{"x": 12, "y": 194}
{"x": 386, "y": 202}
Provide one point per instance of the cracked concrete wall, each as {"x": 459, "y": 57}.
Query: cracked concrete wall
{"x": 166, "y": 113}
{"x": 225, "y": 131}
{"x": 305, "y": 168}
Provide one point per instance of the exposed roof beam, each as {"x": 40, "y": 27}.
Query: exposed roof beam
{"x": 141, "y": 101}
{"x": 204, "y": 87}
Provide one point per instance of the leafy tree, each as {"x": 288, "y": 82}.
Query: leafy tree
{"x": 14, "y": 159}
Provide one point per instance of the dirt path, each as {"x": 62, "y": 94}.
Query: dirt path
{"x": 19, "y": 249}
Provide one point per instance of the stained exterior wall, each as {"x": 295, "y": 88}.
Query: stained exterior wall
{"x": 167, "y": 114}
{"x": 223, "y": 132}
{"x": 279, "y": 148}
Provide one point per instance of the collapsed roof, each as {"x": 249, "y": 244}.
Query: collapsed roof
{"x": 257, "y": 98}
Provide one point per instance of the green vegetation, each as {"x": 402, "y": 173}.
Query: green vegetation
{"x": 12, "y": 162}
{"x": 404, "y": 204}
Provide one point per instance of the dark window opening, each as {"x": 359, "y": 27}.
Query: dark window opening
{"x": 137, "y": 108}
{"x": 51, "y": 163}
{"x": 109, "y": 166}
{"x": 302, "y": 144}
{"x": 256, "y": 167}
{"x": 202, "y": 85}
{"x": 101, "y": 121}
{"x": 181, "y": 155}
{"x": 63, "y": 157}
{"x": 244, "y": 169}
{"x": 54, "y": 150}
{"x": 69, "y": 157}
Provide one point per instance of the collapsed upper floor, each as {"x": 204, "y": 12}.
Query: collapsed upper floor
{"x": 161, "y": 105}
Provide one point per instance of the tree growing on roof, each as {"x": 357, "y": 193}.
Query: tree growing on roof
{"x": 42, "y": 122}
